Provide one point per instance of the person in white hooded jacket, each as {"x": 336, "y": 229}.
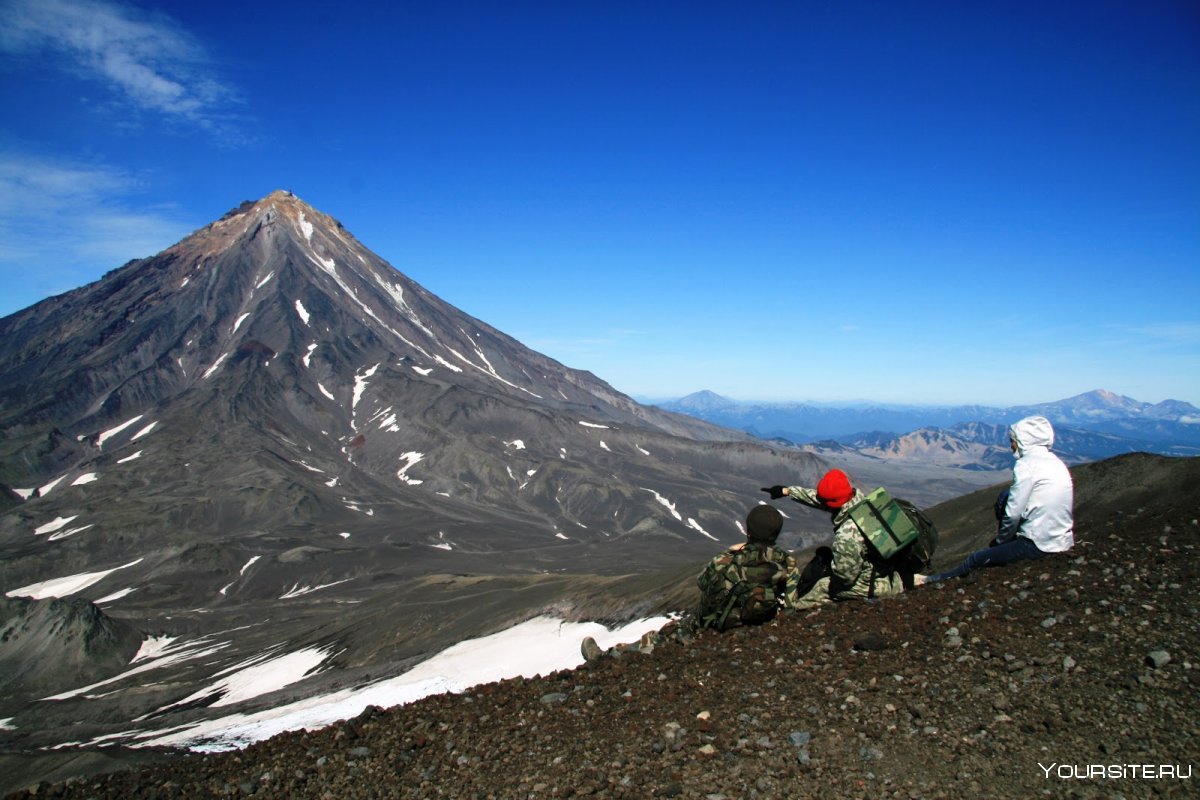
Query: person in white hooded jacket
{"x": 1038, "y": 515}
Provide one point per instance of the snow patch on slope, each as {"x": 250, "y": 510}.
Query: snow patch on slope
{"x": 54, "y": 537}
{"x": 306, "y": 228}
{"x": 144, "y": 431}
{"x": 155, "y": 652}
{"x": 45, "y": 490}
{"x": 262, "y": 675}
{"x": 297, "y": 590}
{"x": 55, "y": 524}
{"x": 111, "y": 432}
{"x": 411, "y": 458}
{"x": 216, "y": 366}
{"x": 66, "y": 586}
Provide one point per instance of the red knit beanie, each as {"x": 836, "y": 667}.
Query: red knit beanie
{"x": 834, "y": 490}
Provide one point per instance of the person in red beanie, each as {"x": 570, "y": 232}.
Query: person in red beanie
{"x": 846, "y": 571}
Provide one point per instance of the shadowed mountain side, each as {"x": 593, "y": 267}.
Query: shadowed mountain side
{"x": 46, "y": 643}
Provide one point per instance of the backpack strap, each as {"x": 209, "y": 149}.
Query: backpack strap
{"x": 739, "y": 590}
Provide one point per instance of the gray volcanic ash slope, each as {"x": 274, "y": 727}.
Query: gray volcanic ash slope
{"x": 267, "y": 440}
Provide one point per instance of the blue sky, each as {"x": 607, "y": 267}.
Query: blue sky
{"x": 908, "y": 202}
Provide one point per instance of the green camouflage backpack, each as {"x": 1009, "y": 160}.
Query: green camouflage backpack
{"x": 741, "y": 587}
{"x": 902, "y": 538}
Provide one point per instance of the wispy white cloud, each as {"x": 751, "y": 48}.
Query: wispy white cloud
{"x": 1165, "y": 333}
{"x": 63, "y": 224}
{"x": 31, "y": 186}
{"x": 150, "y": 61}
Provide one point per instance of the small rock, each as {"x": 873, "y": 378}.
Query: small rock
{"x": 1068, "y": 664}
{"x": 360, "y": 752}
{"x": 1049, "y": 622}
{"x": 554, "y": 697}
{"x": 708, "y": 750}
{"x": 800, "y": 738}
{"x": 872, "y": 641}
{"x": 1158, "y": 658}
{"x": 870, "y": 753}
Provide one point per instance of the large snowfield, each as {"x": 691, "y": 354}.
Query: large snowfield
{"x": 537, "y": 647}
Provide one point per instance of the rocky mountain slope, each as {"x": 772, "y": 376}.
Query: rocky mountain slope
{"x": 1072, "y": 676}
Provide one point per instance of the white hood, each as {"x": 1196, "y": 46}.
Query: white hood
{"x": 1032, "y": 432}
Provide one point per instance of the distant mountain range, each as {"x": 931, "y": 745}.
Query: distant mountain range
{"x": 1088, "y": 427}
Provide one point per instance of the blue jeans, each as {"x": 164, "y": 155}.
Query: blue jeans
{"x": 1018, "y": 549}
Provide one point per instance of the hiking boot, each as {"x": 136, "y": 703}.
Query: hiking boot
{"x": 590, "y": 650}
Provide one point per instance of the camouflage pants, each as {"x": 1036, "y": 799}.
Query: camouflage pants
{"x": 818, "y": 595}
{"x": 821, "y": 593}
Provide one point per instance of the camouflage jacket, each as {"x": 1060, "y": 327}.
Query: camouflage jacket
{"x": 855, "y": 576}
{"x": 718, "y": 578}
